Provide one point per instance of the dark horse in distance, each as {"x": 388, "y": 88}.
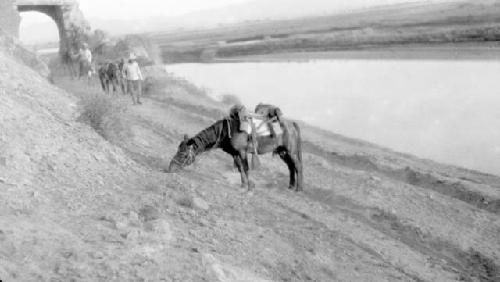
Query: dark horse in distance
{"x": 110, "y": 75}
{"x": 226, "y": 135}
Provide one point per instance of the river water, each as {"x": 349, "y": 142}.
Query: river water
{"x": 447, "y": 110}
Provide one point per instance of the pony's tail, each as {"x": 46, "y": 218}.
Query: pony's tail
{"x": 299, "y": 142}
{"x": 299, "y": 167}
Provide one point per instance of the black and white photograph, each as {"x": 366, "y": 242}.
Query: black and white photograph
{"x": 249, "y": 140}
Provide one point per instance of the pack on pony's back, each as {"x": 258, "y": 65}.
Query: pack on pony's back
{"x": 262, "y": 126}
{"x": 271, "y": 120}
{"x": 264, "y": 122}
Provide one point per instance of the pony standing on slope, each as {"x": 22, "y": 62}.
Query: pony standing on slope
{"x": 226, "y": 135}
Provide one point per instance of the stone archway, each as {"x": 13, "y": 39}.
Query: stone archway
{"x": 72, "y": 26}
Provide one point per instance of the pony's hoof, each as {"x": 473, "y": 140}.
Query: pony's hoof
{"x": 248, "y": 193}
{"x": 251, "y": 185}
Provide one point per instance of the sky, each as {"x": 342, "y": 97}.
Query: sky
{"x": 38, "y": 28}
{"x": 146, "y": 8}
{"x": 128, "y": 9}
{"x": 133, "y": 9}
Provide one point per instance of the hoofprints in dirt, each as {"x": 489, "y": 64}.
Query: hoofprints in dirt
{"x": 75, "y": 206}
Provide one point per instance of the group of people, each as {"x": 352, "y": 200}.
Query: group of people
{"x": 124, "y": 74}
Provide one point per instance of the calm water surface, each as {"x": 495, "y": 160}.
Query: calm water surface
{"x": 448, "y": 111}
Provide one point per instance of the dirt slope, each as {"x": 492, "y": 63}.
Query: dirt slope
{"x": 77, "y": 207}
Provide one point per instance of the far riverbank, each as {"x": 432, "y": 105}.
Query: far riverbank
{"x": 486, "y": 51}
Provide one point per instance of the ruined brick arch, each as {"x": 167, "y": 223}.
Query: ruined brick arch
{"x": 71, "y": 24}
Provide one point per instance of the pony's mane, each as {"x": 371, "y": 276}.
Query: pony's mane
{"x": 208, "y": 137}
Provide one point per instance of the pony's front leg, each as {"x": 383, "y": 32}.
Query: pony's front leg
{"x": 239, "y": 164}
{"x": 300, "y": 178}
{"x": 244, "y": 158}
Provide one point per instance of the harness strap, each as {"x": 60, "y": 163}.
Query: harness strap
{"x": 229, "y": 128}
{"x": 254, "y": 137}
{"x": 266, "y": 122}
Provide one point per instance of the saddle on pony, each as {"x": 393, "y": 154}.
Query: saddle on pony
{"x": 266, "y": 121}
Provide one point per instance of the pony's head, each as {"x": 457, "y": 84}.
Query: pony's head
{"x": 185, "y": 155}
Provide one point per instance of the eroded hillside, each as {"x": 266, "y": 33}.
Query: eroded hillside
{"x": 75, "y": 206}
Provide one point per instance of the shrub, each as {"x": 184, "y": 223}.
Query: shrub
{"x": 169, "y": 83}
{"x": 185, "y": 201}
{"x": 230, "y": 99}
{"x": 187, "y": 85}
{"x": 96, "y": 111}
{"x": 152, "y": 84}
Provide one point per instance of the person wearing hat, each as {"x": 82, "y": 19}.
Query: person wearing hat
{"x": 134, "y": 79}
{"x": 85, "y": 60}
{"x": 86, "y": 54}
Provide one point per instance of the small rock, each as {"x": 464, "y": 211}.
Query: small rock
{"x": 97, "y": 255}
{"x": 133, "y": 234}
{"x": 201, "y": 204}
{"x": 51, "y": 167}
{"x": 68, "y": 254}
{"x": 148, "y": 213}
{"x": 204, "y": 222}
{"x": 120, "y": 225}
{"x": 148, "y": 226}
{"x": 159, "y": 226}
{"x": 133, "y": 216}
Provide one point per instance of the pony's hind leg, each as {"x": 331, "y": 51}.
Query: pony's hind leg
{"x": 285, "y": 156}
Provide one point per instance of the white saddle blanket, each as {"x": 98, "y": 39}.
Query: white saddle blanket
{"x": 262, "y": 127}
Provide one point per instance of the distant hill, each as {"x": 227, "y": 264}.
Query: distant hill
{"x": 419, "y": 22}
{"x": 283, "y": 9}
{"x": 262, "y": 10}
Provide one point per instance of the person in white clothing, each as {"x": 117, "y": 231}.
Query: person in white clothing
{"x": 85, "y": 61}
{"x": 86, "y": 54}
{"x": 134, "y": 79}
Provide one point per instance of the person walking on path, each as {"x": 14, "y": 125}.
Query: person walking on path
{"x": 85, "y": 61}
{"x": 134, "y": 79}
